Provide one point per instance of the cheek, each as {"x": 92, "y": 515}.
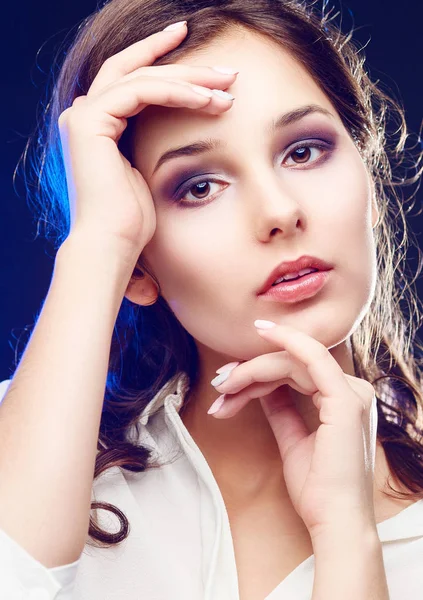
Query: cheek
{"x": 345, "y": 210}
{"x": 347, "y": 191}
{"x": 189, "y": 264}
{"x": 182, "y": 253}
{"x": 350, "y": 227}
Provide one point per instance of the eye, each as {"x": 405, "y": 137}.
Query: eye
{"x": 199, "y": 190}
{"x": 303, "y": 152}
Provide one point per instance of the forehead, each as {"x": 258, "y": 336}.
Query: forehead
{"x": 240, "y": 47}
{"x": 270, "y": 82}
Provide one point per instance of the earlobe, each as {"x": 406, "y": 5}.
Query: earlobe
{"x": 142, "y": 291}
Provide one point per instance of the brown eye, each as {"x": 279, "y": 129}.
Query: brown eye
{"x": 200, "y": 190}
{"x": 302, "y": 154}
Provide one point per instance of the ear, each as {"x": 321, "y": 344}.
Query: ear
{"x": 142, "y": 291}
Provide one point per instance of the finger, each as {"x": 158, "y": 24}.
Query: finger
{"x": 234, "y": 403}
{"x": 341, "y": 409}
{"x": 326, "y": 373}
{"x": 271, "y": 367}
{"x": 79, "y": 100}
{"x": 142, "y": 53}
{"x": 207, "y": 76}
{"x": 286, "y": 422}
{"x": 370, "y": 417}
{"x": 129, "y": 98}
{"x": 367, "y": 401}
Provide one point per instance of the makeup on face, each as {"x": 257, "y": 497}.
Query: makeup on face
{"x": 318, "y": 136}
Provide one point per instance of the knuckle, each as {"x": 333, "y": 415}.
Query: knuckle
{"x": 322, "y": 353}
{"x": 73, "y": 118}
{"x": 369, "y": 391}
{"x": 367, "y": 396}
{"x": 249, "y": 379}
{"x": 168, "y": 95}
{"x": 64, "y": 116}
{"x": 111, "y": 67}
{"x": 109, "y": 63}
{"x": 79, "y": 100}
{"x": 69, "y": 113}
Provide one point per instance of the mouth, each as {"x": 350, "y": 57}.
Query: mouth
{"x": 288, "y": 272}
{"x": 300, "y": 288}
{"x": 292, "y": 277}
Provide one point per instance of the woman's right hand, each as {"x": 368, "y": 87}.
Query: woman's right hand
{"x": 107, "y": 195}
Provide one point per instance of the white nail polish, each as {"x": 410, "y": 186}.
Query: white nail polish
{"x": 262, "y": 324}
{"x": 221, "y": 378}
{"x": 223, "y": 94}
{"x": 216, "y": 405}
{"x": 174, "y": 26}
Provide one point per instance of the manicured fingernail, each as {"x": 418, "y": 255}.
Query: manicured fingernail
{"x": 174, "y": 26}
{"x": 226, "y": 70}
{"x": 260, "y": 324}
{"x": 225, "y": 95}
{"x": 216, "y": 405}
{"x": 228, "y": 367}
{"x": 221, "y": 378}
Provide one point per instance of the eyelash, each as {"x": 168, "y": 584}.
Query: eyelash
{"x": 186, "y": 189}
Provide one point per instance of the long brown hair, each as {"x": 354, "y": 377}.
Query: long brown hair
{"x": 149, "y": 346}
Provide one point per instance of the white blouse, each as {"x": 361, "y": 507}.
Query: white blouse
{"x": 180, "y": 545}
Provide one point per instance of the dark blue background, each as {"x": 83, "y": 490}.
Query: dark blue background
{"x": 31, "y": 34}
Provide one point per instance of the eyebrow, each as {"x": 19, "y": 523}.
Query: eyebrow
{"x": 210, "y": 145}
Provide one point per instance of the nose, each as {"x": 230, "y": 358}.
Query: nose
{"x": 274, "y": 205}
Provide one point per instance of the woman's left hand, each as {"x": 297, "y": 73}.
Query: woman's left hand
{"x": 329, "y": 473}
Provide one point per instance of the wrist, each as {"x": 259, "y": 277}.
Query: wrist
{"x": 346, "y": 541}
{"x": 95, "y": 271}
{"x": 345, "y": 534}
{"x": 349, "y": 565}
{"x": 103, "y": 256}
{"x": 94, "y": 244}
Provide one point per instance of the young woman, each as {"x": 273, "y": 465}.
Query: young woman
{"x": 180, "y": 214}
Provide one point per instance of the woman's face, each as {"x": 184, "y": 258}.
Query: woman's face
{"x": 254, "y": 203}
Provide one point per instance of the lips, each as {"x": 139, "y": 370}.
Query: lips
{"x": 295, "y": 266}
{"x": 301, "y": 273}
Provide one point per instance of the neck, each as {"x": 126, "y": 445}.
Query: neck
{"x": 243, "y": 454}
{"x": 242, "y": 451}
